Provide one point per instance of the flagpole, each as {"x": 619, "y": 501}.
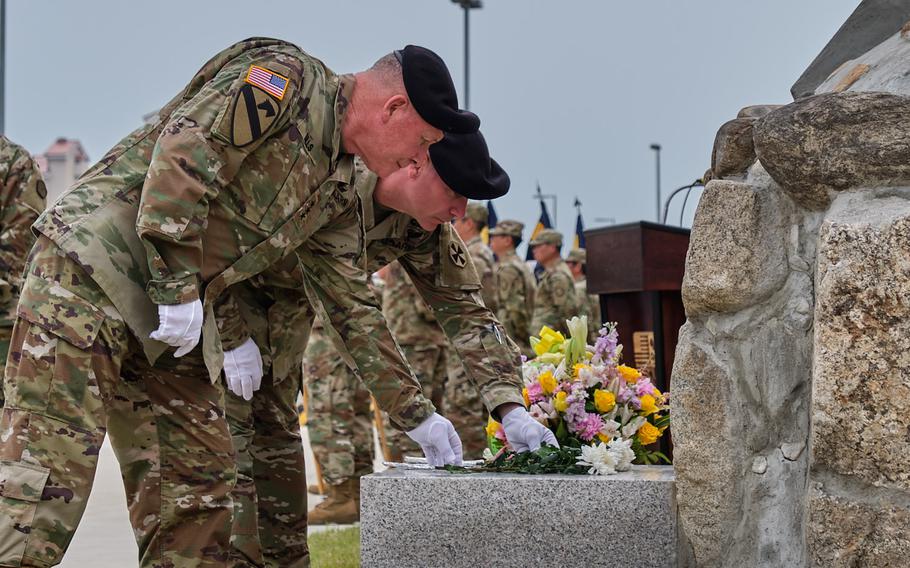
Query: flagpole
{"x": 540, "y": 196}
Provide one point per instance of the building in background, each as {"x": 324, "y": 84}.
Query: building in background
{"x": 61, "y": 164}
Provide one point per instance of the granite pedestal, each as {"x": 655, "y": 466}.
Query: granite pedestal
{"x": 429, "y": 518}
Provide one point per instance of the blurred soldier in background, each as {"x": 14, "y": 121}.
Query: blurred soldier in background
{"x": 424, "y": 344}
{"x": 556, "y": 300}
{"x": 577, "y": 262}
{"x": 516, "y": 284}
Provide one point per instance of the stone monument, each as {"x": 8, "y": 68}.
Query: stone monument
{"x": 791, "y": 386}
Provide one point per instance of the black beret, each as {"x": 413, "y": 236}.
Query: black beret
{"x": 464, "y": 164}
{"x": 432, "y": 92}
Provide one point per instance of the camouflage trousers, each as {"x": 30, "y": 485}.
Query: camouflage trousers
{"x": 462, "y": 404}
{"x": 429, "y": 364}
{"x": 339, "y": 420}
{"x": 75, "y": 373}
{"x": 270, "y": 499}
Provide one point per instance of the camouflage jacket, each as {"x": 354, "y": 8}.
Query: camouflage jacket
{"x": 590, "y": 306}
{"x": 486, "y": 269}
{"x": 517, "y": 288}
{"x": 410, "y": 318}
{"x": 226, "y": 182}
{"x": 555, "y": 301}
{"x": 440, "y": 268}
{"x": 22, "y": 199}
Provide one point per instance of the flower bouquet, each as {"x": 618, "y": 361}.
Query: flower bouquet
{"x": 604, "y": 414}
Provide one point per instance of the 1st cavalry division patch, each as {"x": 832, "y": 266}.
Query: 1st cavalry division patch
{"x": 255, "y": 109}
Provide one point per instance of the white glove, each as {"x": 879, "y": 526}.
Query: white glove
{"x": 243, "y": 369}
{"x": 524, "y": 433}
{"x": 438, "y": 440}
{"x": 179, "y": 325}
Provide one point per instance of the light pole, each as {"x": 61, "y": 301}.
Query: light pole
{"x": 467, "y": 5}
{"x": 656, "y": 148}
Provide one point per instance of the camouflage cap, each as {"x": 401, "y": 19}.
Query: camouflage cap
{"x": 477, "y": 212}
{"x": 547, "y": 237}
{"x": 508, "y": 227}
{"x": 577, "y": 255}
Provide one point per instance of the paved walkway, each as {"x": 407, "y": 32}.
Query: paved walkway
{"x": 105, "y": 538}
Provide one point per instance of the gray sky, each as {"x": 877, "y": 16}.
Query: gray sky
{"x": 571, "y": 93}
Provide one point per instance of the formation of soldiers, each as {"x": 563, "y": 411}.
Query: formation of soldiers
{"x": 167, "y": 301}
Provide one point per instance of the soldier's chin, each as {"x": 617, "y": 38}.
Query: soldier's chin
{"x": 428, "y": 223}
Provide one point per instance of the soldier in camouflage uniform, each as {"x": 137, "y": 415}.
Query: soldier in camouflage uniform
{"x": 556, "y": 300}
{"x": 577, "y": 261}
{"x": 404, "y": 217}
{"x": 461, "y": 401}
{"x": 22, "y": 199}
{"x": 517, "y": 285}
{"x": 243, "y": 170}
{"x": 423, "y": 342}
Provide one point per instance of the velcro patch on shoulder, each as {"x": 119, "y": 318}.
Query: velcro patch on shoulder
{"x": 269, "y": 81}
{"x": 253, "y": 113}
{"x": 457, "y": 269}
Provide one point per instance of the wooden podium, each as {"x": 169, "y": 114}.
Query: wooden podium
{"x": 637, "y": 269}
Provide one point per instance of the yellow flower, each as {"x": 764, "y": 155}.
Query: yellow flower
{"x": 604, "y": 438}
{"x": 648, "y": 434}
{"x": 524, "y": 394}
{"x": 604, "y": 401}
{"x": 628, "y": 373}
{"x": 578, "y": 367}
{"x": 559, "y": 401}
{"x": 648, "y": 404}
{"x": 547, "y": 382}
{"x": 548, "y": 339}
{"x": 492, "y": 427}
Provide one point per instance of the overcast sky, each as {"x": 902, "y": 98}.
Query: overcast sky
{"x": 571, "y": 93}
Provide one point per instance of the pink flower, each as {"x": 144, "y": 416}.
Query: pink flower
{"x": 643, "y": 387}
{"x": 538, "y": 413}
{"x": 535, "y": 392}
{"x": 589, "y": 427}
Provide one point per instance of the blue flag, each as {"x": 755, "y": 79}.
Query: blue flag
{"x": 491, "y": 222}
{"x": 579, "y": 233}
{"x": 542, "y": 223}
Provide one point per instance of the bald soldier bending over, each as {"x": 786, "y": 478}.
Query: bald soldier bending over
{"x": 247, "y": 167}
{"x": 404, "y": 217}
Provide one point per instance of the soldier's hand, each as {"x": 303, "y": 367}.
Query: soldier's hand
{"x": 524, "y": 433}
{"x": 438, "y": 440}
{"x": 180, "y": 326}
{"x": 243, "y": 369}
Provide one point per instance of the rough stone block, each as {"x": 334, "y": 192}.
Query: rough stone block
{"x": 738, "y": 249}
{"x": 817, "y": 146}
{"x": 428, "y": 518}
{"x": 861, "y": 377}
{"x": 868, "y": 530}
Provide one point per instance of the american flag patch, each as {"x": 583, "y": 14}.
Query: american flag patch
{"x": 272, "y": 83}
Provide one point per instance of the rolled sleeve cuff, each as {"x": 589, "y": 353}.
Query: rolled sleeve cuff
{"x": 179, "y": 291}
{"x": 419, "y": 409}
{"x": 501, "y": 394}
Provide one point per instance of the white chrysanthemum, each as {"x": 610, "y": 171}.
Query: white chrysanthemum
{"x": 598, "y": 459}
{"x": 530, "y": 373}
{"x": 487, "y": 454}
{"x": 621, "y": 450}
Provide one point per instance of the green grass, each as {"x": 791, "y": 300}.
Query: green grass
{"x": 335, "y": 548}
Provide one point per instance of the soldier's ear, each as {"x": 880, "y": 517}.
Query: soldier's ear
{"x": 414, "y": 171}
{"x": 392, "y": 105}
